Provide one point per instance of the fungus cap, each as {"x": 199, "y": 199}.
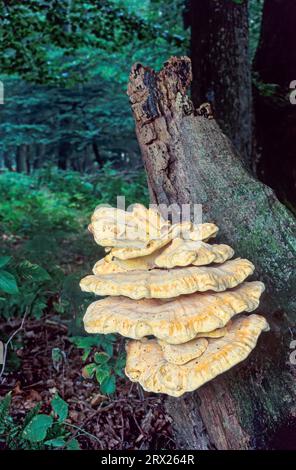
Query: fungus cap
{"x": 116, "y": 227}
{"x": 185, "y": 252}
{"x": 178, "y": 253}
{"x": 185, "y": 231}
{"x": 175, "y": 320}
{"x": 217, "y": 333}
{"x": 159, "y": 283}
{"x": 146, "y": 363}
{"x": 181, "y": 353}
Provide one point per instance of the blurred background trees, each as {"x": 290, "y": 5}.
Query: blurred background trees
{"x": 65, "y": 66}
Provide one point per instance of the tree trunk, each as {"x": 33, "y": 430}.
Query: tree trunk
{"x": 40, "y": 150}
{"x": 64, "y": 155}
{"x": 97, "y": 154}
{"x": 274, "y": 69}
{"x": 189, "y": 160}
{"x": 221, "y": 66}
{"x": 21, "y": 159}
{"x": 7, "y": 159}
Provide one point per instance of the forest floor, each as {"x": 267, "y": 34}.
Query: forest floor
{"x": 46, "y": 247}
{"x": 129, "y": 419}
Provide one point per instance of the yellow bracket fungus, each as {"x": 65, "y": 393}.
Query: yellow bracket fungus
{"x": 165, "y": 280}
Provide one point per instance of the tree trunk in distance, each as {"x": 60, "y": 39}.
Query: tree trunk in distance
{"x": 40, "y": 151}
{"x": 21, "y": 159}
{"x": 64, "y": 155}
{"x": 189, "y": 160}
{"x": 7, "y": 159}
{"x": 221, "y": 66}
{"x": 274, "y": 69}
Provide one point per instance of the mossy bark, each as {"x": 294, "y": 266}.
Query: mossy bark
{"x": 189, "y": 160}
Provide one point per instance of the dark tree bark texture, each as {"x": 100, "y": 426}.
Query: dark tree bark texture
{"x": 221, "y": 66}
{"x": 189, "y": 160}
{"x": 275, "y": 64}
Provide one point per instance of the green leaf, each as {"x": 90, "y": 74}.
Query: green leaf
{"x": 56, "y": 442}
{"x": 8, "y": 283}
{"x": 73, "y": 445}
{"x": 102, "y": 373}
{"x": 4, "y": 260}
{"x": 101, "y": 358}
{"x": 34, "y": 272}
{"x": 88, "y": 371}
{"x": 30, "y": 415}
{"x": 85, "y": 342}
{"x": 60, "y": 408}
{"x": 108, "y": 386}
{"x": 36, "y": 430}
{"x": 107, "y": 345}
{"x": 119, "y": 365}
{"x": 86, "y": 354}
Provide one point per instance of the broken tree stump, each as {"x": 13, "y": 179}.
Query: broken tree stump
{"x": 189, "y": 160}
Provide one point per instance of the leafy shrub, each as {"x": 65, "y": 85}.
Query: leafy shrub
{"x": 106, "y": 366}
{"x": 37, "y": 431}
{"x": 43, "y": 220}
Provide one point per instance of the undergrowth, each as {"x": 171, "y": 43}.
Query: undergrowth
{"x": 45, "y": 249}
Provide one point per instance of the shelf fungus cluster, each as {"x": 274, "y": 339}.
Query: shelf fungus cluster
{"x": 177, "y": 297}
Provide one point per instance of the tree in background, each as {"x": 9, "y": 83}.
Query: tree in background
{"x": 221, "y": 65}
{"x": 65, "y": 67}
{"x": 274, "y": 69}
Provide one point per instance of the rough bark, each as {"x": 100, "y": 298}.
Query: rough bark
{"x": 189, "y": 160}
{"x": 221, "y": 66}
{"x": 274, "y": 69}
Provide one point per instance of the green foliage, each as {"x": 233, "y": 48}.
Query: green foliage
{"x": 255, "y": 16}
{"x": 65, "y": 70}
{"x": 94, "y": 341}
{"x": 37, "y": 428}
{"x": 37, "y": 431}
{"x": 41, "y": 226}
{"x": 60, "y": 408}
{"x": 105, "y": 368}
{"x": 33, "y": 282}
{"x": 8, "y": 283}
{"x": 69, "y": 28}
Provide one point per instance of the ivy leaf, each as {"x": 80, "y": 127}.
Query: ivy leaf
{"x": 36, "y": 430}
{"x": 60, "y": 408}
{"x": 108, "y": 386}
{"x": 8, "y": 283}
